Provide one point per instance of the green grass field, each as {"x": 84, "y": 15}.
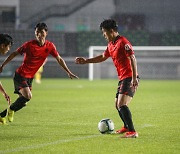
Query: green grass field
{"x": 62, "y": 117}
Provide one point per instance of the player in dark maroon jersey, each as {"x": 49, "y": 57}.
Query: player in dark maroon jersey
{"x": 122, "y": 54}
{"x": 6, "y": 42}
{"x": 35, "y": 53}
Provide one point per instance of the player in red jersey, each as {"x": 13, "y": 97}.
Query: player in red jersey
{"x": 6, "y": 42}
{"x": 122, "y": 54}
{"x": 35, "y": 53}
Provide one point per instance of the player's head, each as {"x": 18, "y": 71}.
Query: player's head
{"x": 6, "y": 42}
{"x": 109, "y": 29}
{"x": 41, "y": 31}
{"x": 109, "y": 24}
{"x": 41, "y": 26}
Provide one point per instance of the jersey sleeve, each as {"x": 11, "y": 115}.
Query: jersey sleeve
{"x": 128, "y": 47}
{"x": 22, "y": 48}
{"x": 54, "y": 52}
{"x": 106, "y": 53}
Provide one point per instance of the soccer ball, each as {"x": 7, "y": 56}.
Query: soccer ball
{"x": 106, "y": 126}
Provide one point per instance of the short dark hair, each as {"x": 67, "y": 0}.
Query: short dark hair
{"x": 109, "y": 24}
{"x": 6, "y": 39}
{"x": 41, "y": 26}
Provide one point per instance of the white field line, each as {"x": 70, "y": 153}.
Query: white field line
{"x": 37, "y": 146}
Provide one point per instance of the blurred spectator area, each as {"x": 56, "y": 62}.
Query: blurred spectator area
{"x": 7, "y": 17}
{"x": 130, "y": 22}
{"x": 77, "y": 43}
{"x": 86, "y": 15}
{"x": 74, "y": 25}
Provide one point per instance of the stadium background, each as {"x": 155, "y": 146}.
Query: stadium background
{"x": 74, "y": 26}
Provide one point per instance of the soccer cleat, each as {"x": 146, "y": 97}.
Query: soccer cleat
{"x": 10, "y": 115}
{"x": 130, "y": 135}
{"x": 122, "y": 130}
{"x": 3, "y": 120}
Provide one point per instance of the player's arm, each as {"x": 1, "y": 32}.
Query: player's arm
{"x": 8, "y": 59}
{"x": 64, "y": 66}
{"x": 134, "y": 70}
{"x": 6, "y": 96}
{"x": 97, "y": 59}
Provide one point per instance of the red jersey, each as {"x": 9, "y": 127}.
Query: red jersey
{"x": 119, "y": 51}
{"x": 34, "y": 57}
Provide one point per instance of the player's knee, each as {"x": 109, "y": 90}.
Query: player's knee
{"x": 28, "y": 96}
{"x": 120, "y": 104}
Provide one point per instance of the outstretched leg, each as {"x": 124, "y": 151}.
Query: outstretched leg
{"x": 20, "y": 102}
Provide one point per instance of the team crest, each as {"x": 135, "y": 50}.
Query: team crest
{"x": 127, "y": 47}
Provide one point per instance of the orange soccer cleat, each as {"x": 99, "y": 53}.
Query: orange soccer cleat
{"x": 130, "y": 135}
{"x": 122, "y": 130}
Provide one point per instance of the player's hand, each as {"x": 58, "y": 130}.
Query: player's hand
{"x": 6, "y": 96}
{"x": 71, "y": 75}
{"x": 80, "y": 60}
{"x": 134, "y": 84}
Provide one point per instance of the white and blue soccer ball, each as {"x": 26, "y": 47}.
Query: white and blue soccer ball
{"x": 106, "y": 126}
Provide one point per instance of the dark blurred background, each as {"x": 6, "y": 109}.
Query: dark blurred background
{"x": 74, "y": 25}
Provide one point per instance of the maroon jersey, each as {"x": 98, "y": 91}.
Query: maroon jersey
{"x": 119, "y": 51}
{"x": 34, "y": 57}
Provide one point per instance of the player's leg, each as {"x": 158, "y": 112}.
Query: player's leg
{"x": 121, "y": 89}
{"x": 23, "y": 98}
{"x": 122, "y": 104}
{"x": 124, "y": 127}
{"x": 20, "y": 102}
{"x": 124, "y": 112}
{"x": 123, "y": 101}
{"x": 125, "y": 94}
{"x": 23, "y": 88}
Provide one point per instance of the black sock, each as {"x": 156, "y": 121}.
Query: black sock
{"x": 3, "y": 113}
{"x": 19, "y": 103}
{"x": 122, "y": 118}
{"x": 127, "y": 117}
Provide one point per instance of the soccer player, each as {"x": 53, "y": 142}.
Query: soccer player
{"x": 35, "y": 53}
{"x": 5, "y": 44}
{"x": 122, "y": 54}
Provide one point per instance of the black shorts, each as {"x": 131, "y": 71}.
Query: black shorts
{"x": 21, "y": 82}
{"x": 124, "y": 87}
